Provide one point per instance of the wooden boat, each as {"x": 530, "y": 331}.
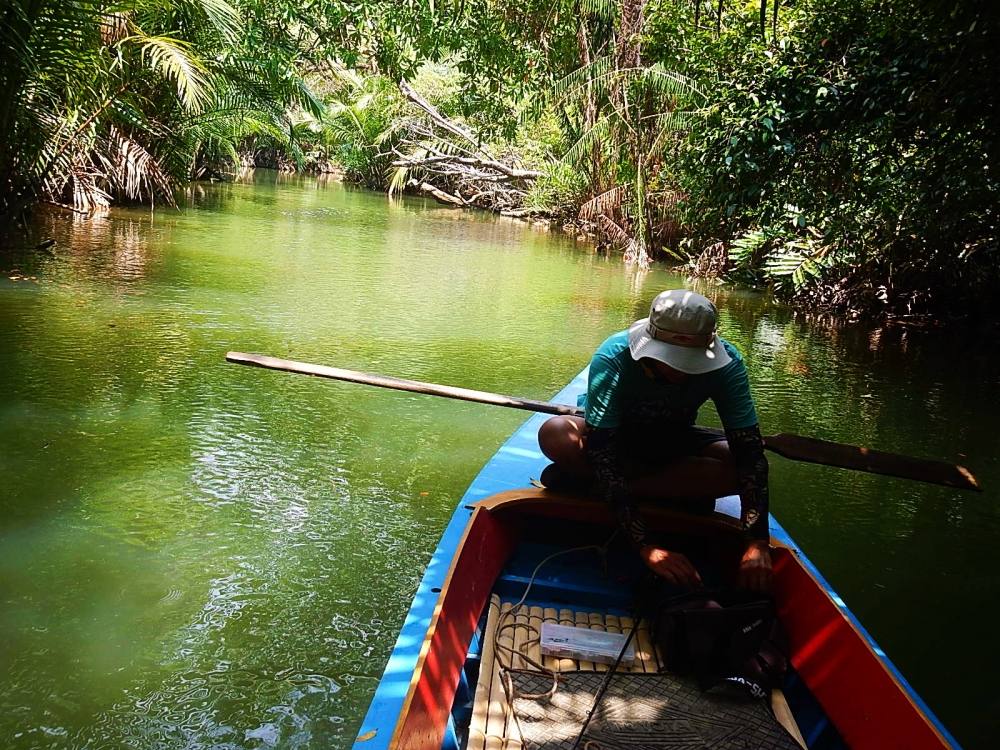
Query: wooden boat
{"x": 439, "y": 688}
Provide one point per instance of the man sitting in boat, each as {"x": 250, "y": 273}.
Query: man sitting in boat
{"x": 638, "y": 437}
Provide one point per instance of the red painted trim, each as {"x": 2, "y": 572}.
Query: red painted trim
{"x": 859, "y": 694}
{"x": 484, "y": 550}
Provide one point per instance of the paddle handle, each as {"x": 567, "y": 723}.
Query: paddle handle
{"x": 400, "y": 384}
{"x": 794, "y": 447}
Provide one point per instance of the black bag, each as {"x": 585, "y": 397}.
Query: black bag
{"x": 721, "y": 636}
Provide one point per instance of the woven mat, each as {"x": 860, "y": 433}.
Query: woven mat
{"x": 649, "y": 711}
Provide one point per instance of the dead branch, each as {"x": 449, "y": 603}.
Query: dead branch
{"x": 440, "y": 120}
{"x": 439, "y": 195}
{"x": 485, "y": 159}
{"x": 507, "y": 173}
{"x": 448, "y": 161}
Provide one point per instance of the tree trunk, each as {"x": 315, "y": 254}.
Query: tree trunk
{"x": 630, "y": 19}
{"x": 590, "y": 104}
{"x": 628, "y": 56}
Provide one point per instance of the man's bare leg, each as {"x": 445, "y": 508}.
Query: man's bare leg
{"x": 562, "y": 441}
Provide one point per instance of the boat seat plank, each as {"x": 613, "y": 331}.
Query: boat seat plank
{"x": 535, "y": 615}
{"x": 568, "y": 618}
{"x": 484, "y": 685}
{"x": 551, "y": 614}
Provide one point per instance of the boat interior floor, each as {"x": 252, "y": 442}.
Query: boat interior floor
{"x": 511, "y": 700}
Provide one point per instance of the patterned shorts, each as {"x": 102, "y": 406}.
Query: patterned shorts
{"x": 654, "y": 444}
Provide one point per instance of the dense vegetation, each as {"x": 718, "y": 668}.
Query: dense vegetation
{"x": 842, "y": 152}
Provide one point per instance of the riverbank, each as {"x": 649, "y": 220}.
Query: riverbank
{"x": 837, "y": 302}
{"x": 844, "y": 300}
{"x": 846, "y": 296}
{"x": 826, "y": 152}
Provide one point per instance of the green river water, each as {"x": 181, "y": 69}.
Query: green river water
{"x": 200, "y": 555}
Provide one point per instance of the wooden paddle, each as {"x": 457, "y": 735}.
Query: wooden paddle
{"x": 795, "y": 447}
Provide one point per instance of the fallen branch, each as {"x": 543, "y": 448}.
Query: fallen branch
{"x": 519, "y": 213}
{"x": 486, "y": 160}
{"x": 440, "y": 195}
{"x": 440, "y": 120}
{"x": 506, "y": 173}
{"x": 446, "y": 160}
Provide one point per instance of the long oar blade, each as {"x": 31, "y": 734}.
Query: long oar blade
{"x": 399, "y": 384}
{"x": 855, "y": 457}
{"x": 795, "y": 447}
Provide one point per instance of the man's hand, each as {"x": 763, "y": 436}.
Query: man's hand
{"x": 755, "y": 567}
{"x": 673, "y": 566}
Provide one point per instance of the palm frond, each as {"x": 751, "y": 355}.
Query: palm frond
{"x": 132, "y": 170}
{"x": 606, "y": 10}
{"x": 174, "y": 60}
{"x": 303, "y": 95}
{"x": 619, "y": 236}
{"x": 397, "y": 181}
{"x": 570, "y": 84}
{"x": 576, "y": 153}
{"x": 401, "y": 174}
{"x": 666, "y": 83}
{"x": 633, "y": 245}
{"x": 636, "y": 253}
{"x": 745, "y": 249}
{"x": 606, "y": 203}
{"x": 87, "y": 194}
{"x": 223, "y": 16}
{"x": 664, "y": 126}
{"x": 795, "y": 261}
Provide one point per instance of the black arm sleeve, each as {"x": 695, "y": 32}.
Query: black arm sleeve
{"x": 604, "y": 456}
{"x": 747, "y": 448}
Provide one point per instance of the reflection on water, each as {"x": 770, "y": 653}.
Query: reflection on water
{"x": 198, "y": 555}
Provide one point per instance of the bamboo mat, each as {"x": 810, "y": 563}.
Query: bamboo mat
{"x": 491, "y": 727}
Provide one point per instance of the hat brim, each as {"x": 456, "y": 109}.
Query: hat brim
{"x": 687, "y": 359}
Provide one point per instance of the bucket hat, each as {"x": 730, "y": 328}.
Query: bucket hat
{"x": 680, "y": 332}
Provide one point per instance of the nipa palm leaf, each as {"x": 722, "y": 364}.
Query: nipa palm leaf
{"x": 793, "y": 261}
{"x": 174, "y": 59}
{"x": 597, "y": 134}
{"x": 606, "y": 203}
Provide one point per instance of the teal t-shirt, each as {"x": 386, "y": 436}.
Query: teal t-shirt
{"x": 621, "y": 394}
